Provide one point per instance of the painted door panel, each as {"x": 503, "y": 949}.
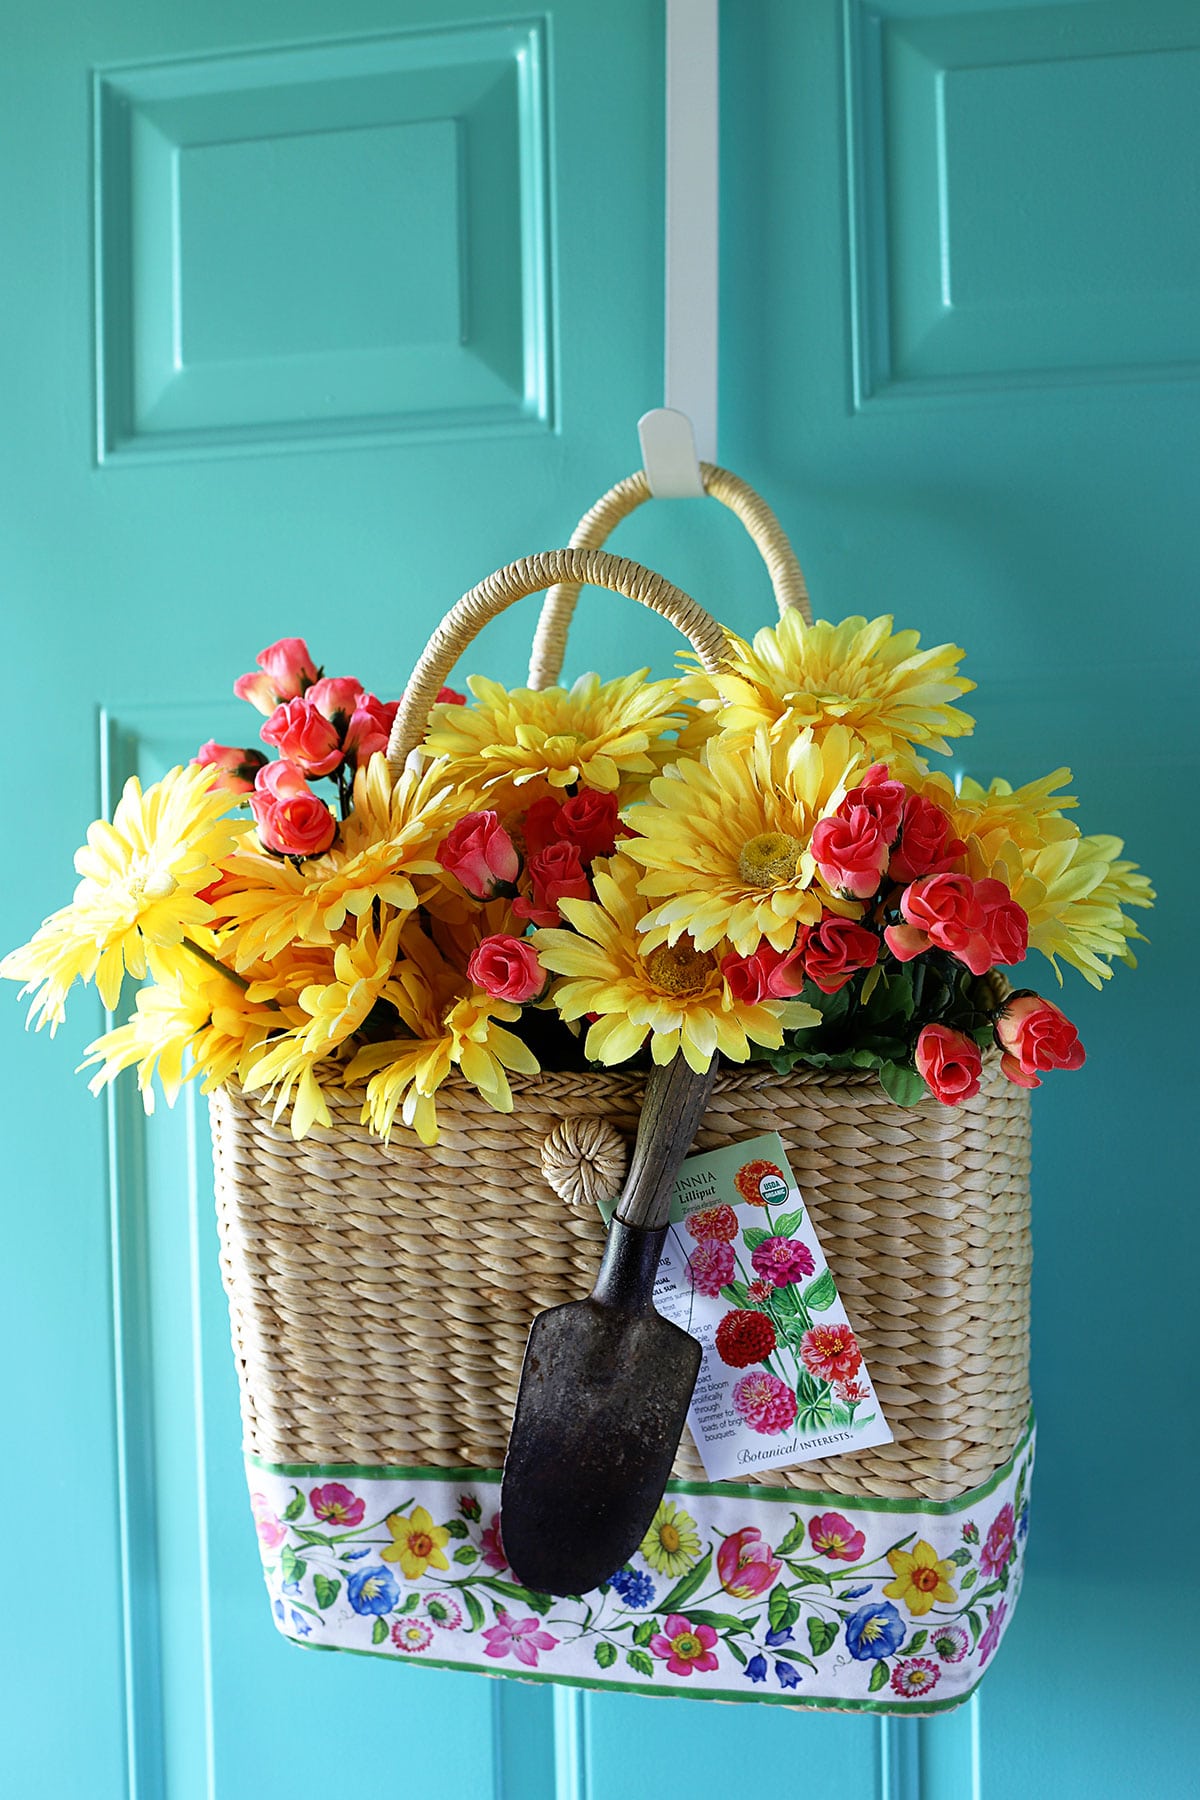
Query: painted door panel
{"x": 313, "y": 316}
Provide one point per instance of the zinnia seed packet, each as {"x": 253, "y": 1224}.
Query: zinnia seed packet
{"x": 783, "y": 1378}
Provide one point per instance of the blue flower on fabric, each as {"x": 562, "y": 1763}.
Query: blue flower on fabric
{"x": 301, "y": 1624}
{"x": 756, "y": 1669}
{"x": 874, "y": 1631}
{"x": 855, "y": 1593}
{"x": 635, "y": 1589}
{"x": 782, "y": 1636}
{"x": 788, "y": 1677}
{"x": 356, "y": 1555}
{"x": 1023, "y": 1521}
{"x": 291, "y": 1587}
{"x": 372, "y": 1591}
{"x": 279, "y": 1611}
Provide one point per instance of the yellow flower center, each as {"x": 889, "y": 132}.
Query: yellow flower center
{"x": 668, "y": 1537}
{"x": 687, "y": 1646}
{"x": 769, "y": 858}
{"x": 420, "y": 1544}
{"x": 148, "y": 881}
{"x": 679, "y": 969}
{"x": 925, "y": 1580}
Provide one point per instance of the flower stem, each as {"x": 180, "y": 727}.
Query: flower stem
{"x": 213, "y": 963}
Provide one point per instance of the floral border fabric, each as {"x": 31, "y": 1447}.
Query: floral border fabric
{"x": 736, "y": 1593}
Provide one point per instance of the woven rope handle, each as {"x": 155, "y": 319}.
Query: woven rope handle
{"x": 580, "y": 568}
{"x": 550, "y": 639}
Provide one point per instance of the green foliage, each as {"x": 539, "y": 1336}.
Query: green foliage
{"x": 689, "y": 1584}
{"x": 822, "y": 1634}
{"x": 916, "y": 1642}
{"x": 474, "y": 1610}
{"x": 645, "y": 1631}
{"x": 295, "y": 1505}
{"x": 606, "y": 1655}
{"x": 456, "y": 1527}
{"x": 787, "y": 1224}
{"x": 637, "y": 1659}
{"x": 326, "y": 1590}
{"x": 466, "y": 1554}
{"x": 379, "y": 1631}
{"x": 902, "y": 1084}
{"x": 793, "y": 1538}
{"x": 820, "y": 1294}
{"x": 879, "y": 1676}
{"x": 291, "y": 1565}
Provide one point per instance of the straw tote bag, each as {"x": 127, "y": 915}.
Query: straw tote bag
{"x": 380, "y": 1297}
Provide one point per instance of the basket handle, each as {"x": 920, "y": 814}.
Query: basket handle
{"x": 550, "y": 639}
{"x": 579, "y": 568}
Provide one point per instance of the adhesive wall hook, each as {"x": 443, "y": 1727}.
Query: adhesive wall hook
{"x": 669, "y": 454}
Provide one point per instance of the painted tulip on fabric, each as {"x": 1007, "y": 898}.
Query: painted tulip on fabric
{"x": 508, "y": 969}
{"x": 835, "y": 950}
{"x": 233, "y": 768}
{"x": 851, "y": 852}
{"x": 746, "y": 1564}
{"x": 480, "y": 854}
{"x": 949, "y": 1063}
{"x": 927, "y": 843}
{"x": 304, "y": 736}
{"x": 834, "y": 1536}
{"x": 1035, "y": 1036}
{"x": 287, "y": 669}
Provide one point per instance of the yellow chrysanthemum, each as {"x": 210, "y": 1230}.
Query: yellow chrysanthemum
{"x": 921, "y": 1579}
{"x": 672, "y": 1544}
{"x": 451, "y": 1028}
{"x": 142, "y": 876}
{"x": 860, "y": 674}
{"x": 390, "y": 836}
{"x": 595, "y": 733}
{"x": 674, "y": 994}
{"x": 724, "y": 842}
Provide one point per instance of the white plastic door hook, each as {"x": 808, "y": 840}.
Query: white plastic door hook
{"x": 669, "y": 454}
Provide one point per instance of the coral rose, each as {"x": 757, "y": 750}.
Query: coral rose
{"x": 1005, "y": 923}
{"x": 949, "y": 912}
{"x": 1034, "y": 1035}
{"x": 304, "y": 736}
{"x": 287, "y": 669}
{"x": 234, "y": 768}
{"x": 480, "y": 853}
{"x": 557, "y": 874}
{"x": 589, "y": 821}
{"x": 507, "y": 968}
{"x": 335, "y": 698}
{"x": 927, "y": 844}
{"x": 369, "y": 728}
{"x": 882, "y": 797}
{"x": 746, "y": 1564}
{"x": 767, "y": 974}
{"x": 299, "y": 824}
{"x": 835, "y": 950}
{"x": 851, "y": 851}
{"x": 949, "y": 1063}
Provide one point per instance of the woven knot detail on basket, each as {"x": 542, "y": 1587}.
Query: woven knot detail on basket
{"x": 585, "y": 1161}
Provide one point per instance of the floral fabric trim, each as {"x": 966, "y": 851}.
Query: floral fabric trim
{"x": 737, "y": 1593}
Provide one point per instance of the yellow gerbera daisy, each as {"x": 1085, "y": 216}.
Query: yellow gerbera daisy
{"x": 597, "y": 733}
{"x": 860, "y": 674}
{"x": 673, "y": 993}
{"x": 672, "y": 1543}
{"x": 417, "y": 1543}
{"x": 142, "y": 876}
{"x": 724, "y": 842}
{"x": 921, "y": 1580}
{"x": 390, "y": 836}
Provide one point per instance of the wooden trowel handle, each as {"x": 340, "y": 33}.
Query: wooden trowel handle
{"x": 671, "y": 1112}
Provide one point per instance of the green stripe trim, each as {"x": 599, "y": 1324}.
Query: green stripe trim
{"x": 721, "y": 1490}
{"x": 739, "y": 1696}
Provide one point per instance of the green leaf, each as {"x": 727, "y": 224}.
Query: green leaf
{"x": 473, "y": 1608}
{"x": 411, "y": 1603}
{"x": 793, "y": 1539}
{"x": 777, "y": 1606}
{"x": 961, "y": 1556}
{"x": 606, "y": 1655}
{"x": 645, "y": 1631}
{"x": 754, "y": 1235}
{"x": 295, "y": 1505}
{"x": 879, "y": 1676}
{"x": 293, "y": 1568}
{"x": 539, "y": 1602}
{"x": 690, "y": 1584}
{"x": 379, "y": 1631}
{"x": 326, "y": 1590}
{"x": 737, "y": 1651}
{"x": 976, "y": 1627}
{"x": 969, "y": 1579}
{"x": 787, "y": 1224}
{"x": 808, "y": 1575}
{"x": 637, "y": 1659}
{"x": 718, "y": 1620}
{"x": 820, "y": 1294}
{"x": 456, "y": 1527}
{"x": 466, "y": 1554}
{"x": 902, "y": 1084}
{"x": 869, "y": 985}
{"x": 737, "y": 1294}
{"x": 822, "y": 1634}
{"x": 916, "y": 1642}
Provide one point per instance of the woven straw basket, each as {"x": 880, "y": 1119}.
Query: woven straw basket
{"x": 380, "y": 1296}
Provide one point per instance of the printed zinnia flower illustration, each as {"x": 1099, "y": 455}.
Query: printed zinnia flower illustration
{"x": 672, "y": 1543}
{"x": 337, "y": 1505}
{"x": 751, "y": 1176}
{"x": 417, "y": 1543}
{"x": 782, "y": 1260}
{"x": 915, "y": 1675}
{"x": 743, "y": 1338}
{"x": 922, "y": 1579}
{"x": 831, "y": 1352}
{"x": 685, "y": 1647}
{"x": 710, "y": 1266}
{"x": 714, "y": 1223}
{"x": 834, "y": 1536}
{"x": 765, "y": 1402}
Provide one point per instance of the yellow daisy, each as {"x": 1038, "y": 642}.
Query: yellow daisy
{"x": 142, "y": 877}
{"x": 672, "y": 993}
{"x": 724, "y": 842}
{"x": 921, "y": 1580}
{"x": 417, "y": 1543}
{"x": 672, "y": 1543}
{"x": 595, "y": 733}
{"x": 860, "y": 674}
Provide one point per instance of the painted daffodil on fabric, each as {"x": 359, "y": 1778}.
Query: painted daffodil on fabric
{"x": 672, "y": 1543}
{"x": 724, "y": 843}
{"x": 673, "y": 993}
{"x": 595, "y": 734}
{"x": 143, "y": 876}
{"x": 861, "y": 674}
{"x": 921, "y": 1580}
{"x": 417, "y": 1543}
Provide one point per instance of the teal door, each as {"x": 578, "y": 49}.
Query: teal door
{"x": 313, "y": 315}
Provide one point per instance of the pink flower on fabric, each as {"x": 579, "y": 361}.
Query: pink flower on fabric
{"x": 767, "y": 1404}
{"x": 834, "y": 1536}
{"x": 271, "y": 1531}
{"x": 412, "y": 1635}
{"x": 717, "y": 1223}
{"x": 991, "y": 1636}
{"x": 746, "y": 1564}
{"x": 915, "y": 1676}
{"x": 685, "y": 1647}
{"x": 951, "y": 1643}
{"x": 337, "y": 1504}
{"x": 999, "y": 1542}
{"x": 522, "y": 1638}
{"x": 492, "y": 1547}
{"x": 782, "y": 1260}
{"x": 711, "y": 1266}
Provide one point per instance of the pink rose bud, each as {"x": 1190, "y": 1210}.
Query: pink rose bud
{"x": 449, "y": 696}
{"x": 768, "y": 974}
{"x": 335, "y": 698}
{"x": 949, "y": 1063}
{"x": 233, "y": 769}
{"x": 951, "y": 913}
{"x": 480, "y": 853}
{"x": 835, "y": 950}
{"x": 881, "y": 797}
{"x": 280, "y": 780}
{"x": 370, "y": 728}
{"x": 304, "y": 736}
{"x": 557, "y": 874}
{"x": 539, "y": 829}
{"x": 927, "y": 843}
{"x": 851, "y": 852}
{"x": 298, "y": 825}
{"x": 508, "y": 968}
{"x": 287, "y": 669}
{"x": 589, "y": 821}
{"x": 1004, "y": 921}
{"x": 1034, "y": 1035}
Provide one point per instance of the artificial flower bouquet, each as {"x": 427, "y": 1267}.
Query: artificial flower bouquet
{"x": 757, "y": 863}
